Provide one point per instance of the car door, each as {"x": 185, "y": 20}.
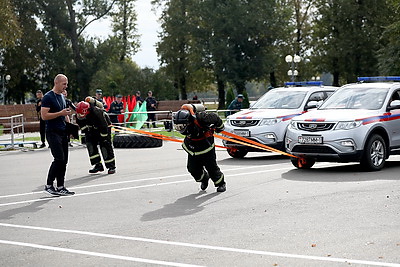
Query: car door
{"x": 393, "y": 124}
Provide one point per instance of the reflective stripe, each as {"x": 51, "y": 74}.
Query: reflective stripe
{"x": 84, "y": 127}
{"x": 95, "y": 156}
{"x": 110, "y": 160}
{"x": 199, "y": 152}
{"x": 219, "y": 180}
{"x": 103, "y": 135}
{"x": 201, "y": 178}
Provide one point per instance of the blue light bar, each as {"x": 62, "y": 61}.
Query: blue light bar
{"x": 379, "y": 79}
{"x": 309, "y": 83}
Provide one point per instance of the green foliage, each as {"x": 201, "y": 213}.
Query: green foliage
{"x": 230, "y": 96}
{"x": 9, "y": 25}
{"x": 246, "y": 101}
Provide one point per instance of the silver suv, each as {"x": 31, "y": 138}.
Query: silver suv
{"x": 359, "y": 123}
{"x": 266, "y": 121}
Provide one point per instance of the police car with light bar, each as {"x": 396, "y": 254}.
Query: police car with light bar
{"x": 360, "y": 122}
{"x": 266, "y": 121}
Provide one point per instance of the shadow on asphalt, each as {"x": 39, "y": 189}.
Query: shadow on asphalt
{"x": 345, "y": 173}
{"x": 263, "y": 160}
{"x": 31, "y": 208}
{"x": 183, "y": 206}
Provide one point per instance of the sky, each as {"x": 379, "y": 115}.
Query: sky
{"x": 148, "y": 29}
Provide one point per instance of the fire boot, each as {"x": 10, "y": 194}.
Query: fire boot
{"x": 97, "y": 168}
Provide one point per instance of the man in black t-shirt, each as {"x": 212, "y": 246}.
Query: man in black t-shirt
{"x": 53, "y": 112}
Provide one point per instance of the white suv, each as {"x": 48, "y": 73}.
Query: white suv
{"x": 266, "y": 121}
{"x": 359, "y": 123}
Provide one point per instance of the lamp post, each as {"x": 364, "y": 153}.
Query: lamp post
{"x": 292, "y": 61}
{"x": 4, "y": 81}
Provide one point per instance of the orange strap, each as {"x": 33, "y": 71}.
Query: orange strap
{"x": 254, "y": 143}
{"x": 153, "y": 135}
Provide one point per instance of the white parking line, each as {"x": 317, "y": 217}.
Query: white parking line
{"x": 216, "y": 248}
{"x": 127, "y": 188}
{"x": 97, "y": 254}
{"x": 138, "y": 180}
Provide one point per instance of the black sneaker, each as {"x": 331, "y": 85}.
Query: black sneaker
{"x": 64, "y": 192}
{"x": 111, "y": 170}
{"x": 204, "y": 184}
{"x": 97, "y": 168}
{"x": 51, "y": 190}
{"x": 42, "y": 146}
{"x": 221, "y": 188}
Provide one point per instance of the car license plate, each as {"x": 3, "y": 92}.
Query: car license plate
{"x": 308, "y": 139}
{"x": 242, "y": 132}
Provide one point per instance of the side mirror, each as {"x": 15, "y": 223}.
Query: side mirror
{"x": 395, "y": 104}
{"x": 312, "y": 104}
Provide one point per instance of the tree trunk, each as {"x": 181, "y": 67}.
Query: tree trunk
{"x": 272, "y": 79}
{"x": 221, "y": 93}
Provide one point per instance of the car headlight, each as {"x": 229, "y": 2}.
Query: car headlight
{"x": 270, "y": 121}
{"x": 293, "y": 125}
{"x": 348, "y": 125}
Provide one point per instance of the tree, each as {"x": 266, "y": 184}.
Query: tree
{"x": 9, "y": 25}
{"x": 348, "y": 34}
{"x": 71, "y": 17}
{"x": 124, "y": 27}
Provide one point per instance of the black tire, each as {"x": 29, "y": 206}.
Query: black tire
{"x": 135, "y": 141}
{"x": 374, "y": 155}
{"x": 309, "y": 162}
{"x": 237, "y": 153}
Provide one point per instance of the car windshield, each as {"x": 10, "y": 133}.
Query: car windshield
{"x": 356, "y": 98}
{"x": 280, "y": 99}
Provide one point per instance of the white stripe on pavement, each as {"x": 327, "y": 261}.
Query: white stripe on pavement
{"x": 97, "y": 254}
{"x": 216, "y": 248}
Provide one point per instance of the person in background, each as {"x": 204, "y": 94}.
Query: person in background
{"x": 236, "y": 104}
{"x": 151, "y": 105}
{"x": 54, "y": 111}
{"x": 99, "y": 97}
{"x": 116, "y": 108}
{"x": 139, "y": 99}
{"x": 39, "y": 97}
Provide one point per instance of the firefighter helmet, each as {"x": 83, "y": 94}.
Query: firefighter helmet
{"x": 182, "y": 118}
{"x": 82, "y": 109}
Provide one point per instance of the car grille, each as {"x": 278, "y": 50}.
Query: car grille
{"x": 244, "y": 123}
{"x": 315, "y": 127}
{"x": 313, "y": 149}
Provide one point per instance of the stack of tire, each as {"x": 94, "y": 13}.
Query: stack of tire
{"x": 135, "y": 141}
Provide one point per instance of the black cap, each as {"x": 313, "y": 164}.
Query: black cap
{"x": 99, "y": 91}
{"x": 118, "y": 96}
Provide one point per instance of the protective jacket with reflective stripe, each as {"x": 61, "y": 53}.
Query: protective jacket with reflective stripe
{"x": 200, "y": 139}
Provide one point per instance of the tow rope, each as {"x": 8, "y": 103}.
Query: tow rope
{"x": 242, "y": 140}
{"x": 153, "y": 135}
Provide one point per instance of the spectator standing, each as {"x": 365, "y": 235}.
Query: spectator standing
{"x": 99, "y": 97}
{"x": 53, "y": 111}
{"x": 39, "y": 97}
{"x": 236, "y": 104}
{"x": 116, "y": 108}
{"x": 151, "y": 105}
{"x": 139, "y": 99}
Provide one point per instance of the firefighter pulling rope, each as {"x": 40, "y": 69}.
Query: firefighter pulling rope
{"x": 192, "y": 109}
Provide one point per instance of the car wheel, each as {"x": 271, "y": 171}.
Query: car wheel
{"x": 237, "y": 153}
{"x": 374, "y": 155}
{"x": 307, "y": 164}
{"x": 135, "y": 141}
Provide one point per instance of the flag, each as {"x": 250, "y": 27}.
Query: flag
{"x": 134, "y": 116}
{"x": 141, "y": 117}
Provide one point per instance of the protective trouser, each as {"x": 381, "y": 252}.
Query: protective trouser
{"x": 107, "y": 151}
{"x": 58, "y": 143}
{"x": 204, "y": 166}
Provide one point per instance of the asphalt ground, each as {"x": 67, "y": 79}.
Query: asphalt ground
{"x": 152, "y": 213}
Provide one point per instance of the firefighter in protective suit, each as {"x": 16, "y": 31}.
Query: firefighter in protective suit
{"x": 198, "y": 126}
{"x": 94, "y": 122}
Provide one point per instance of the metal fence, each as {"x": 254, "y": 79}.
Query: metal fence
{"x": 14, "y": 131}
